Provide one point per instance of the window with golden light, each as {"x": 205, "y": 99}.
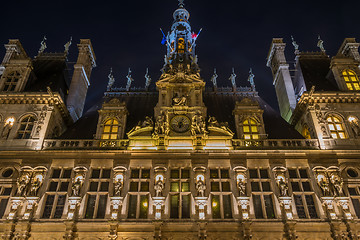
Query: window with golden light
{"x": 26, "y": 127}
{"x": 305, "y": 132}
{"x": 336, "y": 127}
{"x": 351, "y": 80}
{"x": 110, "y": 130}
{"x": 250, "y": 129}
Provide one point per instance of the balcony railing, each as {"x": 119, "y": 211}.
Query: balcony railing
{"x": 86, "y": 144}
{"x": 276, "y": 144}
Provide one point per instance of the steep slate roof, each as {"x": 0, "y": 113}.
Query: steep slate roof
{"x": 50, "y": 70}
{"x": 141, "y": 104}
{"x": 315, "y": 67}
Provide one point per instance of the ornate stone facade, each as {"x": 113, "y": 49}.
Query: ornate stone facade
{"x": 182, "y": 161}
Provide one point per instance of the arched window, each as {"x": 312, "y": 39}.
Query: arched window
{"x": 336, "y": 127}
{"x": 26, "y": 127}
{"x": 110, "y": 130}
{"x": 11, "y": 81}
{"x": 181, "y": 45}
{"x": 250, "y": 129}
{"x": 305, "y": 132}
{"x": 351, "y": 80}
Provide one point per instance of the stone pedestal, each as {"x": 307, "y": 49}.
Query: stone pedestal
{"x": 31, "y": 204}
{"x": 113, "y": 230}
{"x": 158, "y": 204}
{"x": 74, "y": 203}
{"x": 201, "y": 203}
{"x": 115, "y": 207}
{"x": 244, "y": 205}
{"x": 329, "y": 206}
{"x": 285, "y": 203}
{"x": 15, "y": 206}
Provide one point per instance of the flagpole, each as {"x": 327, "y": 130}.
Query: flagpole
{"x": 166, "y": 40}
{"x": 195, "y": 40}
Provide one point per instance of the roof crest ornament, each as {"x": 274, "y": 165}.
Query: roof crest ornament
{"x": 181, "y": 3}
{"x": 296, "y": 46}
{"x": 111, "y": 80}
{"x": 251, "y": 80}
{"x": 67, "y": 46}
{"x": 320, "y": 44}
{"x": 42, "y": 46}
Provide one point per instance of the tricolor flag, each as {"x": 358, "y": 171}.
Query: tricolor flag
{"x": 194, "y": 35}
{"x": 164, "y": 40}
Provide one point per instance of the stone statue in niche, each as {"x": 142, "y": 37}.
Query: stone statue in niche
{"x": 324, "y": 185}
{"x": 118, "y": 187}
{"x": 22, "y": 184}
{"x": 35, "y": 184}
{"x": 242, "y": 188}
{"x": 283, "y": 186}
{"x": 179, "y": 101}
{"x": 76, "y": 186}
{"x": 159, "y": 186}
{"x": 337, "y": 183}
{"x": 200, "y": 187}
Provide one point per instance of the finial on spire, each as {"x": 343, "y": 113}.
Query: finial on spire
{"x": 213, "y": 79}
{"x": 251, "y": 80}
{"x": 320, "y": 44}
{"x": 296, "y": 46}
{"x": 67, "y": 46}
{"x": 181, "y": 3}
{"x": 129, "y": 80}
{"x": 148, "y": 79}
{"x": 42, "y": 46}
{"x": 111, "y": 80}
{"x": 232, "y": 79}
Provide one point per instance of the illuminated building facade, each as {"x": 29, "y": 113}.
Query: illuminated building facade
{"x": 184, "y": 161}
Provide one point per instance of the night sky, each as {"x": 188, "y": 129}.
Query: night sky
{"x": 126, "y": 34}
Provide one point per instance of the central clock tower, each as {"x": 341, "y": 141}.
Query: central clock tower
{"x": 180, "y": 86}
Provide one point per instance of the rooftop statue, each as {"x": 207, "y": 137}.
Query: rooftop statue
{"x": 129, "y": 80}
{"x": 42, "y": 45}
{"x": 111, "y": 80}
{"x": 233, "y": 78}
{"x": 148, "y": 79}
{"x": 251, "y": 79}
{"x": 67, "y": 45}
{"x": 214, "y": 78}
{"x": 320, "y": 44}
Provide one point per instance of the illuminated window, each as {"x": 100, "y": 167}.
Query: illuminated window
{"x": 351, "y": 80}
{"x": 354, "y": 193}
{"x": 26, "y": 127}
{"x": 305, "y": 132}
{"x": 336, "y": 127}
{"x": 180, "y": 193}
{"x": 250, "y": 129}
{"x": 98, "y": 193}
{"x": 5, "y": 193}
{"x": 138, "y": 205}
{"x": 220, "y": 193}
{"x": 110, "y": 130}
{"x": 11, "y": 81}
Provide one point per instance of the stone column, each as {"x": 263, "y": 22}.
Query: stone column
{"x": 245, "y": 223}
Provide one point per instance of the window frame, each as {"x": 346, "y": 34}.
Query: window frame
{"x": 14, "y": 77}
{"x": 250, "y": 125}
{"x": 111, "y": 126}
{"x": 140, "y": 179}
{"x": 180, "y": 180}
{"x": 27, "y": 124}
{"x": 333, "y": 126}
{"x": 351, "y": 80}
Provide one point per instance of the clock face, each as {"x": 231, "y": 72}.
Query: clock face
{"x": 180, "y": 123}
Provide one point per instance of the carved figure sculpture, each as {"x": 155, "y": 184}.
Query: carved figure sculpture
{"x": 214, "y": 78}
{"x": 283, "y": 187}
{"x": 43, "y": 45}
{"x": 118, "y": 187}
{"x": 242, "y": 188}
{"x": 324, "y": 185}
{"x": 197, "y": 125}
{"x": 161, "y": 125}
{"x": 129, "y": 80}
{"x": 159, "y": 186}
{"x": 6, "y": 131}
{"x": 111, "y": 80}
{"x": 35, "y": 185}
{"x": 22, "y": 183}
{"x": 233, "y": 78}
{"x": 67, "y": 45}
{"x": 148, "y": 79}
{"x": 337, "y": 183}
{"x": 76, "y": 186}
{"x": 179, "y": 101}
{"x": 200, "y": 187}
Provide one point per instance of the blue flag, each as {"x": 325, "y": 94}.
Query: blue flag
{"x": 163, "y": 41}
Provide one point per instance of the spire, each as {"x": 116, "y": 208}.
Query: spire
{"x": 129, "y": 80}
{"x": 296, "y": 46}
{"x": 67, "y": 46}
{"x": 111, "y": 80}
{"x": 42, "y": 46}
{"x": 181, "y": 3}
{"x": 232, "y": 78}
{"x": 148, "y": 79}
{"x": 320, "y": 44}
{"x": 251, "y": 80}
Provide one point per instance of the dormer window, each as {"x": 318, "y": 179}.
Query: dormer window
{"x": 336, "y": 127}
{"x": 26, "y": 127}
{"x": 351, "y": 80}
{"x": 11, "y": 81}
{"x": 110, "y": 129}
{"x": 251, "y": 129}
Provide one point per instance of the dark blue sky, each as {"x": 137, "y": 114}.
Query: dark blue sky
{"x": 126, "y": 34}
